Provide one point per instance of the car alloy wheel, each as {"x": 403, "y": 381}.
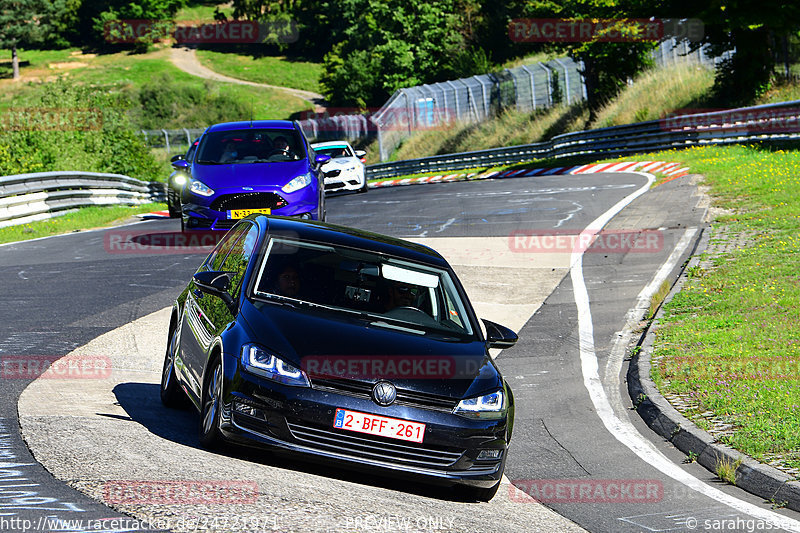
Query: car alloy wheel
{"x": 210, "y": 436}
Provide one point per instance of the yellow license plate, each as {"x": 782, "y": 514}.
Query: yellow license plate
{"x": 241, "y": 213}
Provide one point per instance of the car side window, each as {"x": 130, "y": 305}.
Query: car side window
{"x": 239, "y": 257}
{"x": 214, "y": 261}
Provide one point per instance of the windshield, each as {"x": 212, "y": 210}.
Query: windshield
{"x": 334, "y": 152}
{"x": 390, "y": 292}
{"x": 250, "y": 146}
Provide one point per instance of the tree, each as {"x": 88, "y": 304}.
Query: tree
{"x": 607, "y": 64}
{"x": 390, "y": 44}
{"x": 25, "y": 23}
{"x": 754, "y": 29}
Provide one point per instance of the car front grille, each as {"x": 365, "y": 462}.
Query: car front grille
{"x": 375, "y": 448}
{"x": 249, "y": 200}
{"x": 360, "y": 389}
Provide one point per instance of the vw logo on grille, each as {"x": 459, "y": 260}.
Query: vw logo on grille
{"x": 384, "y": 393}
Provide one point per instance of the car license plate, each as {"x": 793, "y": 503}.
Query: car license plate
{"x": 241, "y": 213}
{"x": 394, "y": 428}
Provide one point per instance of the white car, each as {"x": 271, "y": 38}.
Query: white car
{"x": 350, "y": 163}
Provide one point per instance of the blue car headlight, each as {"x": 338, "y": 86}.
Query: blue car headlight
{"x": 489, "y": 406}
{"x": 198, "y": 187}
{"x": 260, "y": 362}
{"x": 298, "y": 183}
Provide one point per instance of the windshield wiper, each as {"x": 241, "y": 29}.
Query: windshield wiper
{"x": 207, "y": 162}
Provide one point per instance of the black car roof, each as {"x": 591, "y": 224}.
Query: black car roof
{"x": 344, "y": 236}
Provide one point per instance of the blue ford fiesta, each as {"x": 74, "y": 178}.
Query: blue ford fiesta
{"x": 241, "y": 168}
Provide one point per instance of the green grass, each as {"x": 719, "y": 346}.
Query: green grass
{"x": 272, "y": 70}
{"x": 657, "y": 92}
{"x": 729, "y": 342}
{"x": 85, "y": 218}
{"x": 123, "y": 71}
{"x": 202, "y": 10}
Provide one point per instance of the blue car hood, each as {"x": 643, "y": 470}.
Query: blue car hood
{"x": 319, "y": 342}
{"x": 220, "y": 177}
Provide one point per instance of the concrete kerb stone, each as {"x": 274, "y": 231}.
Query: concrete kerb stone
{"x": 754, "y": 477}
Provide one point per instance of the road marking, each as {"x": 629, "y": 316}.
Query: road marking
{"x": 623, "y": 430}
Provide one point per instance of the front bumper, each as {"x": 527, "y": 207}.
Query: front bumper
{"x": 198, "y": 214}
{"x": 300, "y": 420}
{"x": 347, "y": 180}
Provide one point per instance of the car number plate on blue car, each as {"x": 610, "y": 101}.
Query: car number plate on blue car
{"x": 384, "y": 426}
{"x": 235, "y": 214}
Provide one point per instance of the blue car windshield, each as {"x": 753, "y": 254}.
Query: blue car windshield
{"x": 389, "y": 292}
{"x": 250, "y": 146}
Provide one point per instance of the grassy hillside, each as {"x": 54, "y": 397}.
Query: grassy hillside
{"x": 272, "y": 70}
{"x": 652, "y": 95}
{"x": 130, "y": 73}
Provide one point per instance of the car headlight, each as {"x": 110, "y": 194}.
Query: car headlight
{"x": 180, "y": 179}
{"x": 198, "y": 187}
{"x": 488, "y": 406}
{"x": 298, "y": 183}
{"x": 257, "y": 360}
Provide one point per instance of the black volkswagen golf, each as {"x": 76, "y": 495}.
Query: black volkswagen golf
{"x": 343, "y": 345}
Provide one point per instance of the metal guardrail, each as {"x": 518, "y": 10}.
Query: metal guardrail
{"x": 28, "y": 197}
{"x": 765, "y": 123}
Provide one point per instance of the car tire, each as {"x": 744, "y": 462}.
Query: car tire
{"x": 210, "y": 407}
{"x": 365, "y": 187}
{"x": 171, "y": 393}
{"x": 173, "y": 203}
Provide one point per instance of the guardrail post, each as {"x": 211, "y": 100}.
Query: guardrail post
{"x": 166, "y": 139}
{"x": 549, "y": 85}
{"x": 533, "y": 86}
{"x": 566, "y": 78}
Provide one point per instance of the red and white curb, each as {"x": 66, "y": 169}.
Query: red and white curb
{"x": 154, "y": 214}
{"x": 670, "y": 170}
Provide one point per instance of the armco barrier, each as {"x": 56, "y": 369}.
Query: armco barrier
{"x": 29, "y": 197}
{"x": 766, "y": 123}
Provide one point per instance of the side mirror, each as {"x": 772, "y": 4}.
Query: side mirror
{"x": 175, "y": 158}
{"x": 180, "y": 164}
{"x": 216, "y": 284}
{"x": 321, "y": 159}
{"x": 498, "y": 336}
{"x": 360, "y": 153}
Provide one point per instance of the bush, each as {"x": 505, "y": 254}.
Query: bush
{"x": 66, "y": 127}
{"x": 166, "y": 104}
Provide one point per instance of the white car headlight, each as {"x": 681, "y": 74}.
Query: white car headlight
{"x": 198, "y": 187}
{"x": 488, "y": 406}
{"x": 180, "y": 179}
{"x": 298, "y": 183}
{"x": 257, "y": 360}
